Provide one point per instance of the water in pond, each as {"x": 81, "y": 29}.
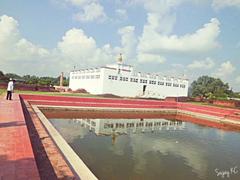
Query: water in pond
{"x": 152, "y": 149}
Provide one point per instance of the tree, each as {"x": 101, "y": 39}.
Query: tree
{"x": 13, "y": 76}
{"x": 1, "y": 75}
{"x": 33, "y": 80}
{"x": 210, "y": 88}
{"x": 3, "y": 78}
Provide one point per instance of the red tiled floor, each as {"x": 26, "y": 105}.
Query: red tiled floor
{"x": 16, "y": 156}
{"x": 233, "y": 114}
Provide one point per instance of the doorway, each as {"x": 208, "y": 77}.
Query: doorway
{"x": 144, "y": 89}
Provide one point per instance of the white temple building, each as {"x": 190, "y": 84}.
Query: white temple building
{"x": 120, "y": 79}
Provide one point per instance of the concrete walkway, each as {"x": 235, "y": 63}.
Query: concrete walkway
{"x": 16, "y": 155}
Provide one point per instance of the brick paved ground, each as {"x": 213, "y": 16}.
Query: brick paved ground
{"x": 233, "y": 114}
{"x": 51, "y": 163}
{"x": 16, "y": 156}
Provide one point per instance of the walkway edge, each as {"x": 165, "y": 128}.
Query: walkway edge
{"x": 76, "y": 163}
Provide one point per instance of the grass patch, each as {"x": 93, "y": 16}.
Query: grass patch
{"x": 50, "y": 93}
{"x": 199, "y": 103}
{"x": 55, "y": 93}
{"x": 2, "y": 91}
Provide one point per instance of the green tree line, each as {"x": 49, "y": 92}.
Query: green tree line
{"x": 212, "y": 88}
{"x": 33, "y": 80}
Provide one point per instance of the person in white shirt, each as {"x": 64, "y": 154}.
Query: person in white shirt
{"x": 10, "y": 89}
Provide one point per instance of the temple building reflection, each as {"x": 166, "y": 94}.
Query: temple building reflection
{"x": 125, "y": 126}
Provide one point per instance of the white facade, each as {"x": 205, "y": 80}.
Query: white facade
{"x": 125, "y": 126}
{"x": 120, "y": 79}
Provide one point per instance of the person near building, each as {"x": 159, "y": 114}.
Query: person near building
{"x": 10, "y": 89}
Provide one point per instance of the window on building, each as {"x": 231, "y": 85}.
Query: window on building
{"x": 93, "y": 123}
{"x": 152, "y": 82}
{"x": 160, "y": 83}
{"x": 168, "y": 84}
{"x": 143, "y": 81}
{"x": 175, "y": 85}
{"x": 112, "y": 77}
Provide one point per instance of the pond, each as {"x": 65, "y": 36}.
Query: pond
{"x": 152, "y": 149}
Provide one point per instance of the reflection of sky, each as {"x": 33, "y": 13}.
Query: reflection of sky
{"x": 201, "y": 149}
{"x": 192, "y": 153}
{"x": 69, "y": 129}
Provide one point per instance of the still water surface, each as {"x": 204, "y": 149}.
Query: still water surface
{"x": 152, "y": 149}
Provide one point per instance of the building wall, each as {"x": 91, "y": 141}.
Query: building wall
{"x": 119, "y": 87}
{"x": 123, "y": 81}
{"x": 90, "y": 80}
{"x": 133, "y": 89}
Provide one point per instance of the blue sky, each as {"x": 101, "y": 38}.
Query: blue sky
{"x": 170, "y": 37}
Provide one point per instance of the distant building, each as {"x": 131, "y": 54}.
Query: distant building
{"x": 121, "y": 79}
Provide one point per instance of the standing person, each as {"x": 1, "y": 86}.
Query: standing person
{"x": 10, "y": 89}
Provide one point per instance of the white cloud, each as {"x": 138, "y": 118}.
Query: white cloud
{"x": 76, "y": 45}
{"x": 19, "y": 55}
{"x": 158, "y": 39}
{"x": 82, "y": 50}
{"x": 225, "y": 69}
{"x": 159, "y": 17}
{"x": 80, "y": 2}
{"x": 202, "y": 40}
{"x": 160, "y": 14}
{"x": 128, "y": 41}
{"x": 206, "y": 64}
{"x": 13, "y": 46}
{"x": 220, "y": 4}
{"x": 238, "y": 80}
{"x": 91, "y": 12}
{"x": 146, "y": 58}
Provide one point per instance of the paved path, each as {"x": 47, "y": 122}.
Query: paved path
{"x": 16, "y": 156}
{"x": 229, "y": 113}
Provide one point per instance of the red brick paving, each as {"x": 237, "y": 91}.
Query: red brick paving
{"x": 229, "y": 113}
{"x": 16, "y": 156}
{"x": 50, "y": 161}
{"x": 222, "y": 113}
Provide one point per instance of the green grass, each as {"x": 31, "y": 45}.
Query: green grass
{"x": 55, "y": 93}
{"x": 199, "y": 103}
{"x": 50, "y": 93}
{"x": 2, "y": 91}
